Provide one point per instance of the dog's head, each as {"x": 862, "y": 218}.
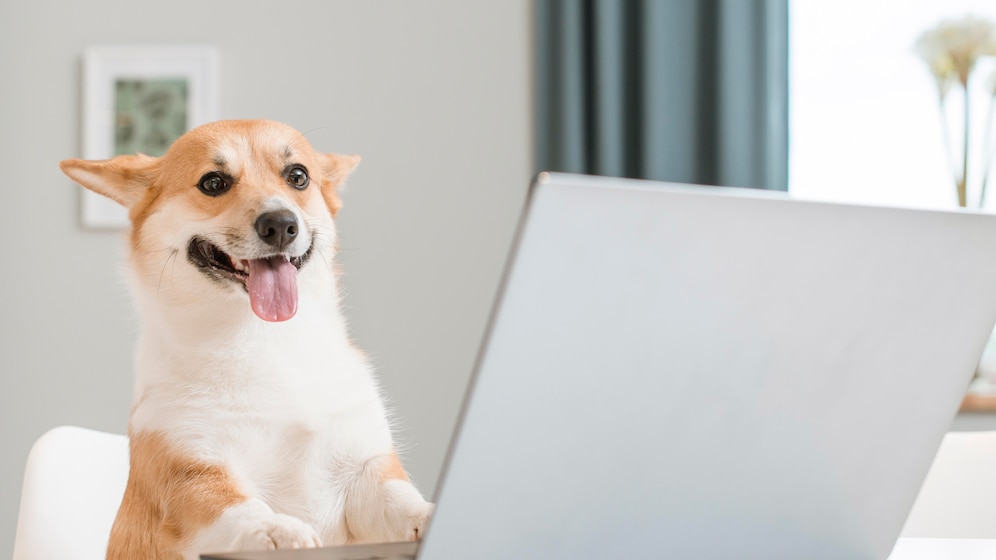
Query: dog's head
{"x": 236, "y": 207}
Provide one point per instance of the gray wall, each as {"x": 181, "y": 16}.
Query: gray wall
{"x": 434, "y": 94}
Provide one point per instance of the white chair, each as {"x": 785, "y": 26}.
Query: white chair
{"x": 73, "y": 485}
{"x": 958, "y": 499}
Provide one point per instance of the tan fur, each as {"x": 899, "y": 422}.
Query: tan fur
{"x": 177, "y": 173}
{"x": 392, "y": 469}
{"x": 169, "y": 497}
{"x": 123, "y": 179}
{"x": 337, "y": 167}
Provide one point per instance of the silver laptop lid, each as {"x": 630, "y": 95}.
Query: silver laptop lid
{"x": 677, "y": 372}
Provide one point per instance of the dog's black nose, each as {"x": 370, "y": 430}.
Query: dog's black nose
{"x": 277, "y": 228}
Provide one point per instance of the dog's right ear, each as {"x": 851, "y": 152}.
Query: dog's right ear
{"x": 123, "y": 179}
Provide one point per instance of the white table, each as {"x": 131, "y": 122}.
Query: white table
{"x": 906, "y": 549}
{"x": 944, "y": 549}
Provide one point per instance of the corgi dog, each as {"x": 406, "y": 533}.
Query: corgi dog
{"x": 256, "y": 424}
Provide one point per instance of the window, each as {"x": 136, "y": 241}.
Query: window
{"x": 864, "y": 123}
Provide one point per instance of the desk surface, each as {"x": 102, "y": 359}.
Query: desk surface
{"x": 944, "y": 549}
{"x": 402, "y": 550}
{"x": 906, "y": 549}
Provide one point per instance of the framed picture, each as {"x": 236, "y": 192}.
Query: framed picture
{"x": 141, "y": 99}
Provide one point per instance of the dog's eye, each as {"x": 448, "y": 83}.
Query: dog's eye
{"x": 214, "y": 184}
{"x": 297, "y": 177}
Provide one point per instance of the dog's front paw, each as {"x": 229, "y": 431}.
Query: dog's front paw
{"x": 417, "y": 520}
{"x": 280, "y": 531}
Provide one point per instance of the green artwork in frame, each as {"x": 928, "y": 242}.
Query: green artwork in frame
{"x": 140, "y": 99}
{"x": 149, "y": 114}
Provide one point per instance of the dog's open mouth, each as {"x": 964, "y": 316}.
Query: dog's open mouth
{"x": 270, "y": 281}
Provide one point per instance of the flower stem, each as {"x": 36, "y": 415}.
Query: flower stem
{"x": 963, "y": 183}
{"x": 987, "y": 151}
{"x": 946, "y": 134}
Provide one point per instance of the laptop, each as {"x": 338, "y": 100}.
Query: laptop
{"x": 697, "y": 372}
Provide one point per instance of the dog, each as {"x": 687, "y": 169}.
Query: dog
{"x": 256, "y": 423}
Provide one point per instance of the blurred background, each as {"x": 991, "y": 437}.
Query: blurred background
{"x": 454, "y": 106}
{"x": 436, "y": 97}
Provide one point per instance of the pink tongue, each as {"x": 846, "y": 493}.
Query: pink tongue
{"x": 273, "y": 288}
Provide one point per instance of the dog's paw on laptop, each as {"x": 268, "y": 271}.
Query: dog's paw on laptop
{"x": 405, "y": 523}
{"x": 252, "y": 525}
{"x": 280, "y": 531}
{"x": 386, "y": 507}
{"x": 416, "y": 521}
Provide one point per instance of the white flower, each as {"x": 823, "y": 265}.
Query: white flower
{"x": 953, "y": 47}
{"x": 951, "y": 51}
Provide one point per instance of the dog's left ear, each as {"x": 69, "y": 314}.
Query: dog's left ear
{"x": 337, "y": 168}
{"x": 123, "y": 179}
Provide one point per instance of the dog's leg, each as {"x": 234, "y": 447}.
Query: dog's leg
{"x": 382, "y": 505}
{"x": 251, "y": 525}
{"x": 176, "y": 505}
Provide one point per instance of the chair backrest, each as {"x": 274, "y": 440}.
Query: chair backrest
{"x": 73, "y": 485}
{"x": 958, "y": 498}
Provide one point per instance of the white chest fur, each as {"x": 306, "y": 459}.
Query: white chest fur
{"x": 290, "y": 410}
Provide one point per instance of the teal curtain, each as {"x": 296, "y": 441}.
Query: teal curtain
{"x": 692, "y": 91}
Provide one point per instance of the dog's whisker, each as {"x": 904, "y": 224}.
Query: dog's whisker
{"x": 302, "y": 135}
{"x": 146, "y": 249}
{"x": 172, "y": 268}
{"x": 330, "y": 264}
{"x": 170, "y": 258}
{"x": 163, "y": 250}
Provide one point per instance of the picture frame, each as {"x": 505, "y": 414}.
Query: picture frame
{"x": 140, "y": 99}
